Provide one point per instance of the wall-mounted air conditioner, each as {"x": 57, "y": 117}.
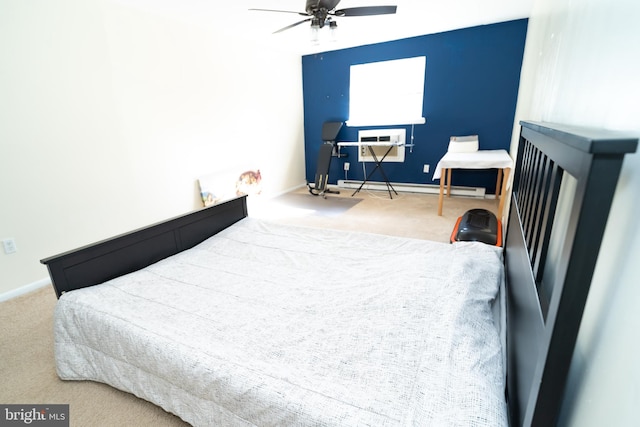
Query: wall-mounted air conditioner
{"x": 380, "y": 141}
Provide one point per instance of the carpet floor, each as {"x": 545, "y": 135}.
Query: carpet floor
{"x": 27, "y": 365}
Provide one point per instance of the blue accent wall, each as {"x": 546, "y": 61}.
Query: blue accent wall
{"x": 471, "y": 87}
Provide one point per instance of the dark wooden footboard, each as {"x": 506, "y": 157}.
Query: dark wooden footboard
{"x": 565, "y": 179}
{"x": 107, "y": 259}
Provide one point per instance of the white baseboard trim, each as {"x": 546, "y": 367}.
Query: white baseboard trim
{"x": 22, "y": 290}
{"x": 414, "y": 188}
{"x": 297, "y": 187}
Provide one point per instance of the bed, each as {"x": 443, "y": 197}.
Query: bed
{"x": 222, "y": 319}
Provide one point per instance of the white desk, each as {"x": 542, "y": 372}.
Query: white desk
{"x": 377, "y": 161}
{"x": 481, "y": 159}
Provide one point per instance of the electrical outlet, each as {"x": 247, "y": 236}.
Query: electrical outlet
{"x": 346, "y": 166}
{"x": 425, "y": 169}
{"x": 9, "y": 246}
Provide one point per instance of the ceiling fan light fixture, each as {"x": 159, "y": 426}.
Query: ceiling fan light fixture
{"x": 315, "y": 30}
{"x": 333, "y": 28}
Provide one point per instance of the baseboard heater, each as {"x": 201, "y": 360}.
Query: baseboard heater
{"x": 413, "y": 188}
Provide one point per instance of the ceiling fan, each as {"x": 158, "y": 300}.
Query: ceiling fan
{"x": 321, "y": 13}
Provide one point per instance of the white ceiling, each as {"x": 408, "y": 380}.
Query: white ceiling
{"x": 233, "y": 19}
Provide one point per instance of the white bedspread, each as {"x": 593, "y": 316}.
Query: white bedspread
{"x": 270, "y": 325}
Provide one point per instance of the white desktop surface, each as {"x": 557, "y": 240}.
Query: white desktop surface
{"x": 481, "y": 159}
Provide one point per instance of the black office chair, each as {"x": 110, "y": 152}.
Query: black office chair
{"x": 329, "y": 134}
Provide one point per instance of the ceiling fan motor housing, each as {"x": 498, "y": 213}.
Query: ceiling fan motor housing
{"x": 314, "y": 6}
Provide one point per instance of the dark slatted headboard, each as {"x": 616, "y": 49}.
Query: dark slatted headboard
{"x": 564, "y": 182}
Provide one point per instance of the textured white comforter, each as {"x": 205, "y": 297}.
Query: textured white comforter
{"x": 271, "y": 325}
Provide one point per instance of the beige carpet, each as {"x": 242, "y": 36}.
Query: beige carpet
{"x": 316, "y": 205}
{"x": 27, "y": 370}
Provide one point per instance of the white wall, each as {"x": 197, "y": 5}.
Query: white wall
{"x": 581, "y": 67}
{"x": 108, "y": 115}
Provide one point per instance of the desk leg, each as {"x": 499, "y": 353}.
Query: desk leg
{"x": 499, "y": 183}
{"x": 441, "y": 196}
{"x": 449, "y": 182}
{"x": 503, "y": 192}
{"x": 378, "y": 167}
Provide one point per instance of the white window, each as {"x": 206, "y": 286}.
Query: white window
{"x": 387, "y": 92}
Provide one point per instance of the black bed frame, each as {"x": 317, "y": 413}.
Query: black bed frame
{"x": 543, "y": 313}
{"x": 96, "y": 263}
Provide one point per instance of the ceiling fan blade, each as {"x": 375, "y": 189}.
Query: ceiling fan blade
{"x": 281, "y": 11}
{"x": 292, "y": 25}
{"x": 366, "y": 11}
